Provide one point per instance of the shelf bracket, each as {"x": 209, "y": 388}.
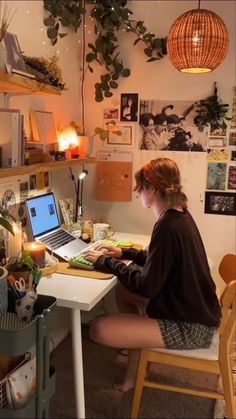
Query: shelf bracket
{"x": 8, "y": 96}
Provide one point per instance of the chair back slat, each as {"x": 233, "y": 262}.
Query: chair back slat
{"x": 228, "y": 310}
{"x": 227, "y": 268}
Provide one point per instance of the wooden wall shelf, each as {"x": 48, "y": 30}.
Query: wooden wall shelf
{"x": 14, "y": 84}
{"x": 42, "y": 167}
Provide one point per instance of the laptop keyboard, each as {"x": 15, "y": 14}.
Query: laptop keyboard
{"x": 58, "y": 239}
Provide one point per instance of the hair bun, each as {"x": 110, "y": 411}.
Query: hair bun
{"x": 174, "y": 188}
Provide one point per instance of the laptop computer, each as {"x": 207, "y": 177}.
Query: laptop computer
{"x": 45, "y": 226}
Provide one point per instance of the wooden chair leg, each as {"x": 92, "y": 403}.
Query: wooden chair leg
{"x": 138, "y": 391}
{"x": 227, "y": 385}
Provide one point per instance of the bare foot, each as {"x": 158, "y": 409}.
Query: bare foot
{"x": 125, "y": 386}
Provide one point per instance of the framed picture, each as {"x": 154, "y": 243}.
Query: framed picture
{"x": 15, "y": 61}
{"x": 129, "y": 107}
{"x": 126, "y": 137}
{"x": 221, "y": 203}
{"x": 43, "y": 127}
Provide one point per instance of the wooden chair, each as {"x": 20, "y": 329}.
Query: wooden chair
{"x": 215, "y": 359}
{"x": 227, "y": 268}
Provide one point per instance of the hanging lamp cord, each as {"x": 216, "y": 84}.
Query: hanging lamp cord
{"x": 199, "y": 4}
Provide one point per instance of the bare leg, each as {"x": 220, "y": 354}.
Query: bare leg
{"x": 130, "y": 374}
{"x": 129, "y": 331}
{"x": 127, "y": 302}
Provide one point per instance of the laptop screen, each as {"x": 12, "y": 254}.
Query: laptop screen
{"x": 42, "y": 213}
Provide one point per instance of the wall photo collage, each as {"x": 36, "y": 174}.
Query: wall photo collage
{"x": 173, "y": 126}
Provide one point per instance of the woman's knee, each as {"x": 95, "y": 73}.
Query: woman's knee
{"x": 98, "y": 330}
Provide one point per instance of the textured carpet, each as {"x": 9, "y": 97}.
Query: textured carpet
{"x": 101, "y": 371}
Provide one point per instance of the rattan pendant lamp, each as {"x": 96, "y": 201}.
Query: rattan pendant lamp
{"x": 197, "y": 41}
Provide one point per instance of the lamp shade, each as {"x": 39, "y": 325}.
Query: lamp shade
{"x": 197, "y": 41}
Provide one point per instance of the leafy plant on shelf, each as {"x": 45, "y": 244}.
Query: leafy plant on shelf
{"x": 46, "y": 70}
{"x": 109, "y": 17}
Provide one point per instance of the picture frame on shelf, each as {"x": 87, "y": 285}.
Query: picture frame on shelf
{"x": 43, "y": 127}
{"x": 15, "y": 61}
{"x": 220, "y": 203}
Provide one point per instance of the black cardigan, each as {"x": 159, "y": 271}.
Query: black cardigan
{"x": 173, "y": 274}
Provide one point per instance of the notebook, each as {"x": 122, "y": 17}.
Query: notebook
{"x": 45, "y": 226}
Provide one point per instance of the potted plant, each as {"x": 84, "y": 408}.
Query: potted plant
{"x": 21, "y": 267}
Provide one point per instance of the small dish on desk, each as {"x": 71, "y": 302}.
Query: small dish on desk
{"x": 51, "y": 264}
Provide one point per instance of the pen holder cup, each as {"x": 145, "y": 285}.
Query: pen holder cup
{"x": 25, "y": 306}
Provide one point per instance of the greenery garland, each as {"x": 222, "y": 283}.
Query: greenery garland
{"x": 109, "y": 16}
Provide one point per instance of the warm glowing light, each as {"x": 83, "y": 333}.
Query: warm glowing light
{"x": 67, "y": 139}
{"x": 197, "y": 41}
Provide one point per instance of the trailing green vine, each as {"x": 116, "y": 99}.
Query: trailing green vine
{"x": 109, "y": 16}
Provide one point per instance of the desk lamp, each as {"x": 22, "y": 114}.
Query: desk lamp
{"x": 79, "y": 195}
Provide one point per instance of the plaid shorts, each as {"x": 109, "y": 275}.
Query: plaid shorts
{"x": 184, "y": 335}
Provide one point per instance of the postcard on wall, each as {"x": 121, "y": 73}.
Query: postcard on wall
{"x": 170, "y": 126}
{"x": 232, "y": 177}
{"x": 217, "y": 154}
{"x": 120, "y": 156}
{"x": 221, "y": 203}
{"x": 233, "y": 155}
{"x": 111, "y": 114}
{"x": 216, "y": 176}
{"x": 219, "y": 132}
{"x": 217, "y": 141}
{"x": 67, "y": 209}
{"x": 232, "y": 138}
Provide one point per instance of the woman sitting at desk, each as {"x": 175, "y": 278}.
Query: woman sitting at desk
{"x": 172, "y": 280}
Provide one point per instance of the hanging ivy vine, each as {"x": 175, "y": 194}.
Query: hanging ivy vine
{"x": 109, "y": 17}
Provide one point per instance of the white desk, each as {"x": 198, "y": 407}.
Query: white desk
{"x": 78, "y": 294}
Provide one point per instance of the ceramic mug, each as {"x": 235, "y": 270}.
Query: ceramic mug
{"x": 101, "y": 231}
{"x": 25, "y": 306}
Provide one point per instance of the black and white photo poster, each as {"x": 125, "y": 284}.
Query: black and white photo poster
{"x": 170, "y": 125}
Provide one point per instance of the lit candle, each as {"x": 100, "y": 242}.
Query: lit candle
{"x": 37, "y": 252}
{"x": 14, "y": 243}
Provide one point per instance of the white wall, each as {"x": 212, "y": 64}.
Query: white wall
{"x": 158, "y": 80}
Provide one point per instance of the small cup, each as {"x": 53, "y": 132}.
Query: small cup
{"x": 87, "y": 227}
{"x": 102, "y": 231}
{"x": 25, "y": 306}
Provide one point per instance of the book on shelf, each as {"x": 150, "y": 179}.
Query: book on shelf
{"x": 11, "y": 137}
{"x": 22, "y": 73}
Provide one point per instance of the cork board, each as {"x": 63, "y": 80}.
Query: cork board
{"x": 114, "y": 181}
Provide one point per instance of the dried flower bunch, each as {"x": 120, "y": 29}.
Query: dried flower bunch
{"x": 47, "y": 70}
{"x": 5, "y": 18}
